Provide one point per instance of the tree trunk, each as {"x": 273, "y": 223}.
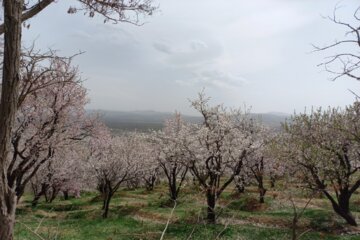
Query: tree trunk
{"x": 173, "y": 182}
{"x": 211, "y": 201}
{"x": 106, "y": 204}
{"x": 66, "y": 195}
{"x": 342, "y": 207}
{"x": 262, "y": 191}
{"x": 150, "y": 183}
{"x": 53, "y": 195}
{"x": 272, "y": 182}
{"x": 9, "y": 93}
{"x": 345, "y": 213}
{"x": 108, "y": 193}
{"x": 7, "y": 226}
{"x": 259, "y": 176}
{"x": 36, "y": 199}
{"x": 19, "y": 193}
{"x": 37, "y": 195}
{"x": 7, "y": 219}
{"x": 349, "y": 218}
{"x": 172, "y": 185}
{"x": 173, "y": 192}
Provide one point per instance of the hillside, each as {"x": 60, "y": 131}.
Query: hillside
{"x": 146, "y": 120}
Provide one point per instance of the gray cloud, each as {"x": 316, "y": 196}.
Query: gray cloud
{"x": 242, "y": 51}
{"x": 161, "y": 47}
{"x": 198, "y": 45}
{"x": 189, "y": 53}
{"x": 215, "y": 79}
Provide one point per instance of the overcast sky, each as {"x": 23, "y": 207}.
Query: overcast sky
{"x": 243, "y": 52}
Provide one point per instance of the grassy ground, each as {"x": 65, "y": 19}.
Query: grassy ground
{"x": 139, "y": 214}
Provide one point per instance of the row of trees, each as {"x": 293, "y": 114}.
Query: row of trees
{"x": 15, "y": 14}
{"x": 319, "y": 149}
{"x": 228, "y": 145}
{"x": 50, "y": 122}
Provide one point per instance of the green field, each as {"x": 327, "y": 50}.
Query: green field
{"x": 138, "y": 214}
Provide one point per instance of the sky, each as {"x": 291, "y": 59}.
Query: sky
{"x": 256, "y": 53}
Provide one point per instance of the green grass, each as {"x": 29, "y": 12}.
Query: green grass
{"x": 139, "y": 214}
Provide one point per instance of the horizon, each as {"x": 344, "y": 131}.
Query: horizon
{"x": 172, "y": 112}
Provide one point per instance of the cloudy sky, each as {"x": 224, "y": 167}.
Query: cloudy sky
{"x": 254, "y": 52}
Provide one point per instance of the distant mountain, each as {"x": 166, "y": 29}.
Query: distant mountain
{"x": 152, "y": 120}
{"x": 272, "y": 119}
{"x": 138, "y": 120}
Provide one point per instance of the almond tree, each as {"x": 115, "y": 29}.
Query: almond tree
{"x": 15, "y": 13}
{"x": 64, "y": 172}
{"x": 257, "y": 171}
{"x": 260, "y": 163}
{"x": 150, "y": 174}
{"x": 218, "y": 149}
{"x": 150, "y": 169}
{"x": 115, "y": 161}
{"x": 278, "y": 169}
{"x": 50, "y": 116}
{"x": 322, "y": 148}
{"x": 172, "y": 155}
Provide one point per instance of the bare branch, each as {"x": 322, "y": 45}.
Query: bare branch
{"x": 349, "y": 62}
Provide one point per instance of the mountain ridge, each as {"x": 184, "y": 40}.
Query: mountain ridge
{"x": 145, "y": 120}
